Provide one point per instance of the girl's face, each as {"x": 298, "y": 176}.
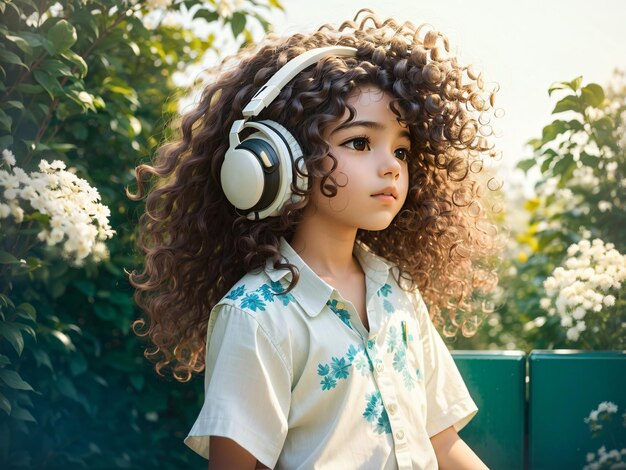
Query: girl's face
{"x": 371, "y": 174}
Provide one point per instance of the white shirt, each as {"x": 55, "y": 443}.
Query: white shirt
{"x": 298, "y": 382}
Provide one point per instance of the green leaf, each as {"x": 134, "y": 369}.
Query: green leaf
{"x": 589, "y": 160}
{"x": 78, "y": 364}
{"x": 48, "y": 82}
{"x": 4, "y": 360}
{"x": 8, "y": 258}
{"x": 77, "y": 60}
{"x": 604, "y": 124}
{"x": 104, "y": 311}
{"x": 551, "y": 131}
{"x": 5, "y": 405}
{"x": 22, "y": 414}
{"x": 563, "y": 164}
{"x": 42, "y": 358}
{"x": 545, "y": 165}
{"x": 32, "y": 39}
{"x": 526, "y": 164}
{"x": 210, "y": 16}
{"x": 62, "y": 36}
{"x": 569, "y": 103}
{"x": 64, "y": 339}
{"x": 67, "y": 388}
{"x": 536, "y": 144}
{"x": 61, "y": 147}
{"x": 56, "y": 68}
{"x": 592, "y": 95}
{"x": 574, "y": 85}
{"x": 12, "y": 58}
{"x": 237, "y": 23}
{"x": 137, "y": 381}
{"x": 5, "y": 142}
{"x": 6, "y": 301}
{"x": 28, "y": 309}
{"x": 13, "y": 380}
{"x": 5, "y": 121}
{"x": 11, "y": 332}
{"x": 14, "y": 104}
{"x": 21, "y": 43}
{"x": 575, "y": 125}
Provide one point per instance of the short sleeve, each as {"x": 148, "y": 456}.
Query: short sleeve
{"x": 247, "y": 388}
{"x": 448, "y": 400}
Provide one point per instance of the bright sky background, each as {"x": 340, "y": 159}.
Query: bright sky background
{"x": 524, "y": 46}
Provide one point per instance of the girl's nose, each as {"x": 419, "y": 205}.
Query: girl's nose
{"x": 390, "y": 165}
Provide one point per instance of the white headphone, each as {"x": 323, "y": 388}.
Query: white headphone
{"x": 257, "y": 172}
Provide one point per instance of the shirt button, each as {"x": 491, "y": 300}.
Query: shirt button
{"x": 400, "y": 435}
{"x": 392, "y": 408}
{"x": 380, "y": 368}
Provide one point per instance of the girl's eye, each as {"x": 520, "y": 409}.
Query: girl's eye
{"x": 358, "y": 143}
{"x": 402, "y": 154}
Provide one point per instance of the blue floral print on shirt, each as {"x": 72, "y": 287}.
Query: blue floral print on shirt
{"x": 266, "y": 293}
{"x": 388, "y": 306}
{"x": 340, "y": 367}
{"x": 284, "y": 298}
{"x": 340, "y": 310}
{"x": 257, "y": 299}
{"x": 385, "y": 290}
{"x": 253, "y": 302}
{"x": 236, "y": 293}
{"x": 376, "y": 414}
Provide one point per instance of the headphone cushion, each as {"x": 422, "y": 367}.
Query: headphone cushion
{"x": 242, "y": 178}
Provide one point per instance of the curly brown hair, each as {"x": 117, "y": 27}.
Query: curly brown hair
{"x": 197, "y": 246}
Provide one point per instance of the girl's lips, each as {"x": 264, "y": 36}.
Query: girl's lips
{"x": 387, "y": 192}
{"x": 384, "y": 197}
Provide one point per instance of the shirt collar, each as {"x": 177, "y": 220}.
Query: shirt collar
{"x": 311, "y": 291}
{"x": 375, "y": 267}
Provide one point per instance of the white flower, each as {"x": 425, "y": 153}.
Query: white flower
{"x": 609, "y": 300}
{"x": 5, "y": 211}
{"x": 604, "y": 206}
{"x": 8, "y": 157}
{"x": 579, "y": 313}
{"x": 77, "y": 220}
{"x": 573, "y": 334}
{"x": 607, "y": 406}
{"x": 583, "y": 285}
{"x": 152, "y": 4}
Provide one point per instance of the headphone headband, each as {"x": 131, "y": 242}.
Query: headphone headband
{"x": 272, "y": 88}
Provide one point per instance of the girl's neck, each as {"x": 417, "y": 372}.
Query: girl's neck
{"x": 326, "y": 250}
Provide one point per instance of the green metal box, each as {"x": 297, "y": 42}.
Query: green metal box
{"x": 565, "y": 386}
{"x": 496, "y": 380}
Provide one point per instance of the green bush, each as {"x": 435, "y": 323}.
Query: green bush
{"x": 579, "y": 198}
{"x": 87, "y": 83}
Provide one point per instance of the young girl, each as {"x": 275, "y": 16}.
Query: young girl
{"x": 324, "y": 188}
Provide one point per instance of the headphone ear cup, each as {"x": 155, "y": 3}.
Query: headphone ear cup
{"x": 256, "y": 175}
{"x": 242, "y": 177}
{"x": 289, "y": 154}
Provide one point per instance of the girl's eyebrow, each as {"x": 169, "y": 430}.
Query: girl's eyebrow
{"x": 368, "y": 124}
